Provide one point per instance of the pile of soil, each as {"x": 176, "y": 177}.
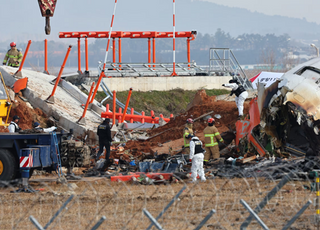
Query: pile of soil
{"x": 27, "y": 114}
{"x": 201, "y": 104}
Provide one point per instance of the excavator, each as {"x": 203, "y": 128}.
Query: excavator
{"x": 47, "y": 8}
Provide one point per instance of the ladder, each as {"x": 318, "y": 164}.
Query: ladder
{"x": 55, "y": 144}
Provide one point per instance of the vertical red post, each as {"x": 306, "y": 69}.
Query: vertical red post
{"x": 188, "y": 50}
{"x": 97, "y": 86}
{"x": 86, "y": 48}
{"x": 87, "y": 103}
{"x": 119, "y": 54}
{"x": 149, "y": 51}
{"x": 114, "y": 50}
{"x": 132, "y": 112}
{"x": 46, "y": 56}
{"x": 60, "y": 73}
{"x": 107, "y": 108}
{"x": 154, "y": 50}
{"x": 120, "y": 117}
{"x": 152, "y": 115}
{"x": 142, "y": 116}
{"x": 126, "y": 107}
{"x": 24, "y": 56}
{"x": 79, "y": 56}
{"x": 114, "y": 108}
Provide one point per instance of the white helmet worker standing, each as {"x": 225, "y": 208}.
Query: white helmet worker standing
{"x": 196, "y": 157}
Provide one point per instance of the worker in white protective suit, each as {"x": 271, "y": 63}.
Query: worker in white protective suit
{"x": 240, "y": 92}
{"x": 196, "y": 157}
{"x": 36, "y": 126}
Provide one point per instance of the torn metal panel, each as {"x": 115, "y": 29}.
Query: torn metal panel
{"x": 290, "y": 109}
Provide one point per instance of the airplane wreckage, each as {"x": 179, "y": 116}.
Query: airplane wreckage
{"x": 285, "y": 117}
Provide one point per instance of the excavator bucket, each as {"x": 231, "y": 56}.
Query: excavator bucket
{"x": 47, "y": 8}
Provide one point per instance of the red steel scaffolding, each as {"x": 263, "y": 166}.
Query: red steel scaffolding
{"x": 190, "y": 35}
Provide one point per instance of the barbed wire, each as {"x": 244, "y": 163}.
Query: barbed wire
{"x": 124, "y": 203}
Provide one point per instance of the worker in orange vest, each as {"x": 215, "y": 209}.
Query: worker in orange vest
{"x": 212, "y": 137}
{"x": 186, "y": 131}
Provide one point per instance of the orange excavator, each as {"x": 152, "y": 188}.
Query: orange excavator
{"x": 47, "y": 8}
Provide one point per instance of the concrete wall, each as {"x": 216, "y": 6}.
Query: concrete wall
{"x": 165, "y": 83}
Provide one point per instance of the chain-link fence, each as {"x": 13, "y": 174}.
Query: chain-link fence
{"x": 219, "y": 203}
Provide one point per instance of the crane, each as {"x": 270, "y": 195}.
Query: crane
{"x": 47, "y": 8}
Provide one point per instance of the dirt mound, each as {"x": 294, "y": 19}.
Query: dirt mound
{"x": 201, "y": 98}
{"x": 27, "y": 115}
{"x": 201, "y": 104}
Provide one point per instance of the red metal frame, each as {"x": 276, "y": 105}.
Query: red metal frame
{"x": 87, "y": 59}
{"x": 60, "y": 73}
{"x": 129, "y": 34}
{"x": 190, "y": 35}
{"x": 119, "y": 50}
{"x": 24, "y": 57}
{"x": 97, "y": 86}
{"x": 87, "y": 103}
{"x": 126, "y": 107}
{"x": 79, "y": 56}
{"x": 46, "y": 56}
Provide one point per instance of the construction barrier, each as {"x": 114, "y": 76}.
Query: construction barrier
{"x": 132, "y": 117}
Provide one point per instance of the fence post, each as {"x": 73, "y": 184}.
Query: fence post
{"x": 264, "y": 202}
{"x": 152, "y": 219}
{"x": 254, "y": 214}
{"x": 297, "y": 215}
{"x": 18, "y": 73}
{"x": 97, "y": 225}
{"x": 205, "y": 219}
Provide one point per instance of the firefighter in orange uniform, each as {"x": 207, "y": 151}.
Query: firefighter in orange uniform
{"x": 212, "y": 136}
{"x": 186, "y": 131}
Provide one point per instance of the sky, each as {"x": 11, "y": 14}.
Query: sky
{"x": 22, "y": 20}
{"x": 308, "y": 9}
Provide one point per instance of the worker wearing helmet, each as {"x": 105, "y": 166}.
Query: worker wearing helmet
{"x": 196, "y": 157}
{"x": 212, "y": 137}
{"x": 37, "y": 126}
{"x": 240, "y": 92}
{"x": 186, "y": 131}
{"x": 14, "y": 127}
{"x": 13, "y": 56}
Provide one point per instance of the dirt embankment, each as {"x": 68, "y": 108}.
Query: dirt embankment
{"x": 173, "y": 130}
{"x": 27, "y": 114}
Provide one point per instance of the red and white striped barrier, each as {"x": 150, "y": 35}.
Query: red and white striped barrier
{"x": 26, "y": 161}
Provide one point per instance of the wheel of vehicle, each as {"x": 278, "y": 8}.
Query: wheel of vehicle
{"x": 8, "y": 166}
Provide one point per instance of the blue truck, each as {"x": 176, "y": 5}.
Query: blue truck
{"x": 43, "y": 151}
